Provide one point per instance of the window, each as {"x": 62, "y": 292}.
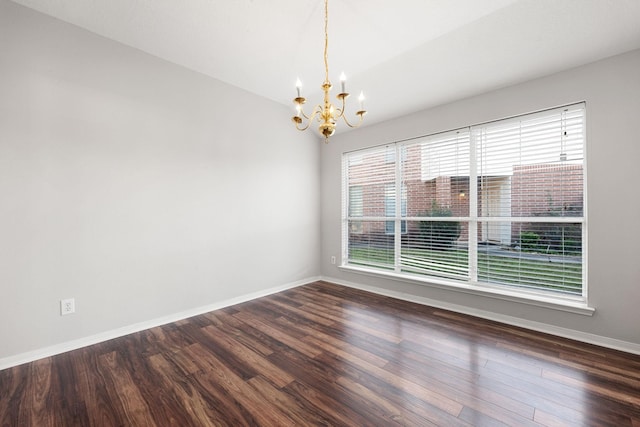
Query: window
{"x": 496, "y": 205}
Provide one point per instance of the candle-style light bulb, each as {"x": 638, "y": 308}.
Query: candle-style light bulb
{"x": 361, "y": 99}
{"x": 298, "y": 86}
{"x": 343, "y": 79}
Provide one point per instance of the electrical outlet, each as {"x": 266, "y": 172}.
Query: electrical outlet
{"x": 333, "y": 260}
{"x": 67, "y": 306}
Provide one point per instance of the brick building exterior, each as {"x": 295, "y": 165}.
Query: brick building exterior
{"x": 529, "y": 191}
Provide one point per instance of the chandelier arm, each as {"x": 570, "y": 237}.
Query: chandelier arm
{"x": 302, "y": 128}
{"x": 359, "y": 113}
{"x": 303, "y": 114}
{"x": 316, "y": 110}
{"x": 340, "y": 111}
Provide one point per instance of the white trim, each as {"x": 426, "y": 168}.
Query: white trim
{"x": 569, "y": 304}
{"x": 585, "y": 209}
{"x": 30, "y": 356}
{"x": 626, "y": 346}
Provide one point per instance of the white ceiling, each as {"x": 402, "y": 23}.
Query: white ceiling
{"x": 405, "y": 54}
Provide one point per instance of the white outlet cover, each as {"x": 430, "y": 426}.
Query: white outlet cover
{"x": 67, "y": 306}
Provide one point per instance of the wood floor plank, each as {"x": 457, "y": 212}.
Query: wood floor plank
{"x": 300, "y": 313}
{"x": 405, "y": 382}
{"x": 199, "y": 403}
{"x": 550, "y": 420}
{"x": 622, "y": 394}
{"x": 313, "y": 400}
{"x": 463, "y": 390}
{"x": 287, "y": 403}
{"x": 285, "y": 337}
{"x": 337, "y": 346}
{"x": 12, "y": 389}
{"x": 70, "y": 410}
{"x": 325, "y": 354}
{"x": 39, "y": 394}
{"x": 92, "y": 386}
{"x": 125, "y": 392}
{"x": 278, "y": 377}
{"x": 319, "y": 381}
{"x": 236, "y": 329}
{"x": 217, "y": 372}
{"x": 421, "y": 404}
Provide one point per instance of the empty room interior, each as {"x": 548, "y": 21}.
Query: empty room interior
{"x": 319, "y": 212}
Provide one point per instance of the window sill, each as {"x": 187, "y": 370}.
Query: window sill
{"x": 564, "y": 303}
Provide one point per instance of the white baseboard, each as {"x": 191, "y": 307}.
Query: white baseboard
{"x": 599, "y": 340}
{"x": 30, "y": 356}
{"x": 41, "y": 353}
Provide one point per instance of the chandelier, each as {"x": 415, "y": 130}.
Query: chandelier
{"x": 325, "y": 113}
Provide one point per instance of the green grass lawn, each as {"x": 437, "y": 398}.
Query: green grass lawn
{"x": 523, "y": 272}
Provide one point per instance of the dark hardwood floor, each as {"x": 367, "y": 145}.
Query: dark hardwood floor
{"x": 323, "y": 354}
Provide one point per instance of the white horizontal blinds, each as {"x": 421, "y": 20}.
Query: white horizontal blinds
{"x": 435, "y": 176}
{"x": 370, "y": 179}
{"x": 530, "y": 200}
{"x": 533, "y": 264}
{"x": 531, "y": 165}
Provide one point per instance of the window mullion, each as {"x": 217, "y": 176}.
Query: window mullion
{"x": 397, "y": 235}
{"x": 473, "y": 205}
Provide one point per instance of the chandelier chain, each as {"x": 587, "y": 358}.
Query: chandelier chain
{"x": 326, "y": 39}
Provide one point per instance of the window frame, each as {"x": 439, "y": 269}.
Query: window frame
{"x": 568, "y": 302}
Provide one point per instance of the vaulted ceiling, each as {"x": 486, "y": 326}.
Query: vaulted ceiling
{"x": 405, "y": 55}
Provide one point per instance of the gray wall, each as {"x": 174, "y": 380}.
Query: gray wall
{"x": 611, "y": 89}
{"x": 137, "y": 187}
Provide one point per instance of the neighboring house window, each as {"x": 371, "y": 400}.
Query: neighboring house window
{"x": 390, "y": 208}
{"x": 355, "y": 208}
{"x": 499, "y": 204}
